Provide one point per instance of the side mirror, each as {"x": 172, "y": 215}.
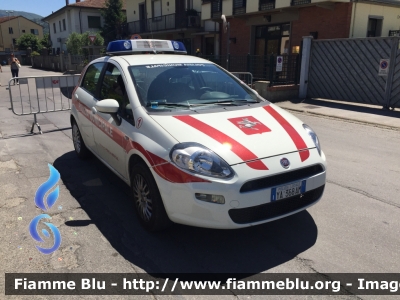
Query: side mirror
{"x": 109, "y": 106}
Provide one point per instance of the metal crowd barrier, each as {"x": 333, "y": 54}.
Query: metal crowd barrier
{"x": 41, "y": 94}
{"x": 246, "y": 77}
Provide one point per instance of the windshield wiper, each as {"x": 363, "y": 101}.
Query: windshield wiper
{"x": 232, "y": 101}
{"x": 155, "y": 104}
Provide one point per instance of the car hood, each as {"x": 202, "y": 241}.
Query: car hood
{"x": 238, "y": 136}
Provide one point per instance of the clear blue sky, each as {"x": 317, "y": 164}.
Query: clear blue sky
{"x": 40, "y": 7}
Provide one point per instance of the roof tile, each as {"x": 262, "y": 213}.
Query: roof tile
{"x": 94, "y": 3}
{"x": 5, "y": 19}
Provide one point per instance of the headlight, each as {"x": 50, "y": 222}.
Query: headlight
{"x": 198, "y": 159}
{"x": 314, "y": 137}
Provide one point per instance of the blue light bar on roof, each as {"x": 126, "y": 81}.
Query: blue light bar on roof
{"x": 132, "y": 46}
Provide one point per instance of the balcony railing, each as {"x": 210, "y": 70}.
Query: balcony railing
{"x": 300, "y": 2}
{"x": 216, "y": 9}
{"x": 239, "y": 7}
{"x": 166, "y": 22}
{"x": 266, "y": 5}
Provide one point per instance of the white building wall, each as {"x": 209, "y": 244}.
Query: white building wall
{"x": 84, "y": 20}
{"x": 63, "y": 34}
{"x": 76, "y": 21}
{"x": 361, "y": 13}
{"x": 132, "y": 13}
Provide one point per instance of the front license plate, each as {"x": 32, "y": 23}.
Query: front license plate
{"x": 289, "y": 190}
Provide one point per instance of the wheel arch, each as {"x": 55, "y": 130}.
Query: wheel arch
{"x": 134, "y": 159}
{"x": 71, "y": 119}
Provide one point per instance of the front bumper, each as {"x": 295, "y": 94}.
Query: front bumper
{"x": 242, "y": 209}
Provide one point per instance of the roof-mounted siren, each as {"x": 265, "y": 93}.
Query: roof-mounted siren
{"x": 146, "y": 46}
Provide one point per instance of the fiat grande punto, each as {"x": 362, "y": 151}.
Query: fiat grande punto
{"x": 196, "y": 145}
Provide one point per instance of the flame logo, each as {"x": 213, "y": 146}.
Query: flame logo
{"x": 45, "y": 187}
{"x": 35, "y": 234}
{"x": 40, "y": 202}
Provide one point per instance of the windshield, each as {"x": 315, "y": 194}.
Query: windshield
{"x": 189, "y": 86}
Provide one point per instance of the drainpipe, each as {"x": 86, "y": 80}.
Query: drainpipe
{"x": 80, "y": 21}
{"x": 2, "y": 41}
{"x": 354, "y": 17}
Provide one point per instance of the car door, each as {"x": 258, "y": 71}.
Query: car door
{"x": 86, "y": 94}
{"x": 110, "y": 138}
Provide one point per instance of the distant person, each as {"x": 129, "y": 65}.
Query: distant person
{"x": 15, "y": 65}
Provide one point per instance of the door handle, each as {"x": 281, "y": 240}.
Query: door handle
{"x": 126, "y": 137}
{"x": 94, "y": 110}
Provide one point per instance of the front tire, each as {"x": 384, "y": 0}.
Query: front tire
{"x": 147, "y": 199}
{"x": 80, "y": 148}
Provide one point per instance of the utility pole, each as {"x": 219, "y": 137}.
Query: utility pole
{"x": 19, "y": 28}
{"x": 12, "y": 42}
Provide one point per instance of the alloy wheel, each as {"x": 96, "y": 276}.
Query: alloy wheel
{"x": 76, "y": 138}
{"x": 142, "y": 196}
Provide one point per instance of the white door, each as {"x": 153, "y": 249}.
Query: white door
{"x": 110, "y": 138}
{"x": 86, "y": 95}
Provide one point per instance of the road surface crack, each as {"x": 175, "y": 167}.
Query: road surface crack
{"x": 325, "y": 277}
{"x": 364, "y": 193}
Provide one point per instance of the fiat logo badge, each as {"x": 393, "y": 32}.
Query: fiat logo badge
{"x": 285, "y": 163}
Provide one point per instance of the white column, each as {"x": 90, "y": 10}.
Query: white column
{"x": 305, "y": 66}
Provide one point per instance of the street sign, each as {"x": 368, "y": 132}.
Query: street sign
{"x": 384, "y": 67}
{"x": 92, "y": 38}
{"x": 279, "y": 63}
{"x": 136, "y": 37}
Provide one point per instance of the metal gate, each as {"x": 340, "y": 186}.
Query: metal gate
{"x": 41, "y": 94}
{"x": 347, "y": 69}
{"x": 246, "y": 77}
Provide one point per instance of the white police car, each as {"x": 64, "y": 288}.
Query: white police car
{"x": 196, "y": 145}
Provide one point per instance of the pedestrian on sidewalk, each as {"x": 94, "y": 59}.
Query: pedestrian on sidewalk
{"x": 15, "y": 65}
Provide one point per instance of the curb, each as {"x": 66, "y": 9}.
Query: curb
{"x": 344, "y": 119}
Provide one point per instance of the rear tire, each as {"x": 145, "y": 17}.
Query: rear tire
{"x": 80, "y": 148}
{"x": 147, "y": 199}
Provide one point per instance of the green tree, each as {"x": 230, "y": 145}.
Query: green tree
{"x": 29, "y": 40}
{"x": 74, "y": 43}
{"x": 99, "y": 41}
{"x": 45, "y": 41}
{"x": 114, "y": 18}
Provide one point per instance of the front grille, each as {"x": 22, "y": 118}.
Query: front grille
{"x": 276, "y": 208}
{"x": 271, "y": 181}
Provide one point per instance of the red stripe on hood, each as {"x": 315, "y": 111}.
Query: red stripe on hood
{"x": 294, "y": 135}
{"x": 237, "y": 148}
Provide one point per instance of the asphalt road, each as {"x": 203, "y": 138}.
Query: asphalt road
{"x": 354, "y": 228}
